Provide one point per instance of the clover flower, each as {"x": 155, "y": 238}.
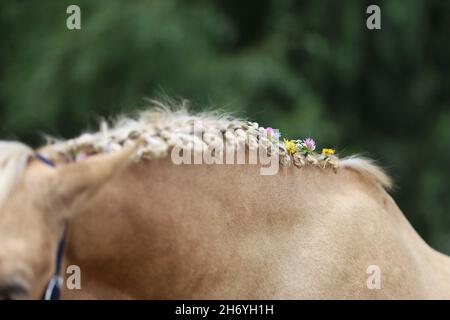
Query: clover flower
{"x": 272, "y": 135}
{"x": 80, "y": 156}
{"x": 309, "y": 145}
{"x": 269, "y": 131}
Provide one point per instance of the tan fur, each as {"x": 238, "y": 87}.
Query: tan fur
{"x": 226, "y": 232}
{"x": 32, "y": 216}
{"x": 155, "y": 230}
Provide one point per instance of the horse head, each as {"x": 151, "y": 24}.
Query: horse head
{"x": 36, "y": 200}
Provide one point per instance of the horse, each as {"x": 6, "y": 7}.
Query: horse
{"x": 139, "y": 225}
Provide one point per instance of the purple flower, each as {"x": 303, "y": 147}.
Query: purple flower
{"x": 309, "y": 144}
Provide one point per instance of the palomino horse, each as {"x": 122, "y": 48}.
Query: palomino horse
{"x": 141, "y": 226}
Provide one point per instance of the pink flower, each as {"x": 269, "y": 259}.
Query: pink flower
{"x": 81, "y": 156}
{"x": 309, "y": 144}
{"x": 269, "y": 131}
{"x": 272, "y": 135}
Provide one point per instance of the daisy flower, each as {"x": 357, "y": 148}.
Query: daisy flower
{"x": 328, "y": 152}
{"x": 290, "y": 146}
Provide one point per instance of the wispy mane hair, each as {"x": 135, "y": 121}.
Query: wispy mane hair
{"x": 13, "y": 160}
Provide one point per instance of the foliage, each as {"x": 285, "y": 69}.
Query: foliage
{"x": 310, "y": 68}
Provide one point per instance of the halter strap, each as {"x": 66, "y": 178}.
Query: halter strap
{"x": 45, "y": 160}
{"x": 53, "y": 290}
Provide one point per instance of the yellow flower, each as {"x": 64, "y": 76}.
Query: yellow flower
{"x": 290, "y": 146}
{"x": 328, "y": 152}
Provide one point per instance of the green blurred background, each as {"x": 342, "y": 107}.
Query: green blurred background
{"x": 310, "y": 68}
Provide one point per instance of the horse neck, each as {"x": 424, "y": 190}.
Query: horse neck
{"x": 203, "y": 231}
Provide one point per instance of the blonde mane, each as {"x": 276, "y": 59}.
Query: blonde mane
{"x": 13, "y": 161}
{"x": 166, "y": 126}
{"x": 368, "y": 168}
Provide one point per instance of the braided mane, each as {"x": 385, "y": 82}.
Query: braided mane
{"x": 164, "y": 127}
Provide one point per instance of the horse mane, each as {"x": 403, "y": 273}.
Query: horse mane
{"x": 164, "y": 126}
{"x": 368, "y": 168}
{"x": 13, "y": 161}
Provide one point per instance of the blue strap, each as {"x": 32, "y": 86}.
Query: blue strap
{"x": 45, "y": 160}
{"x": 53, "y": 290}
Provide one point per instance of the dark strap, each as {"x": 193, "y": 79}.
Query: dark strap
{"x": 53, "y": 290}
{"x": 45, "y": 160}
